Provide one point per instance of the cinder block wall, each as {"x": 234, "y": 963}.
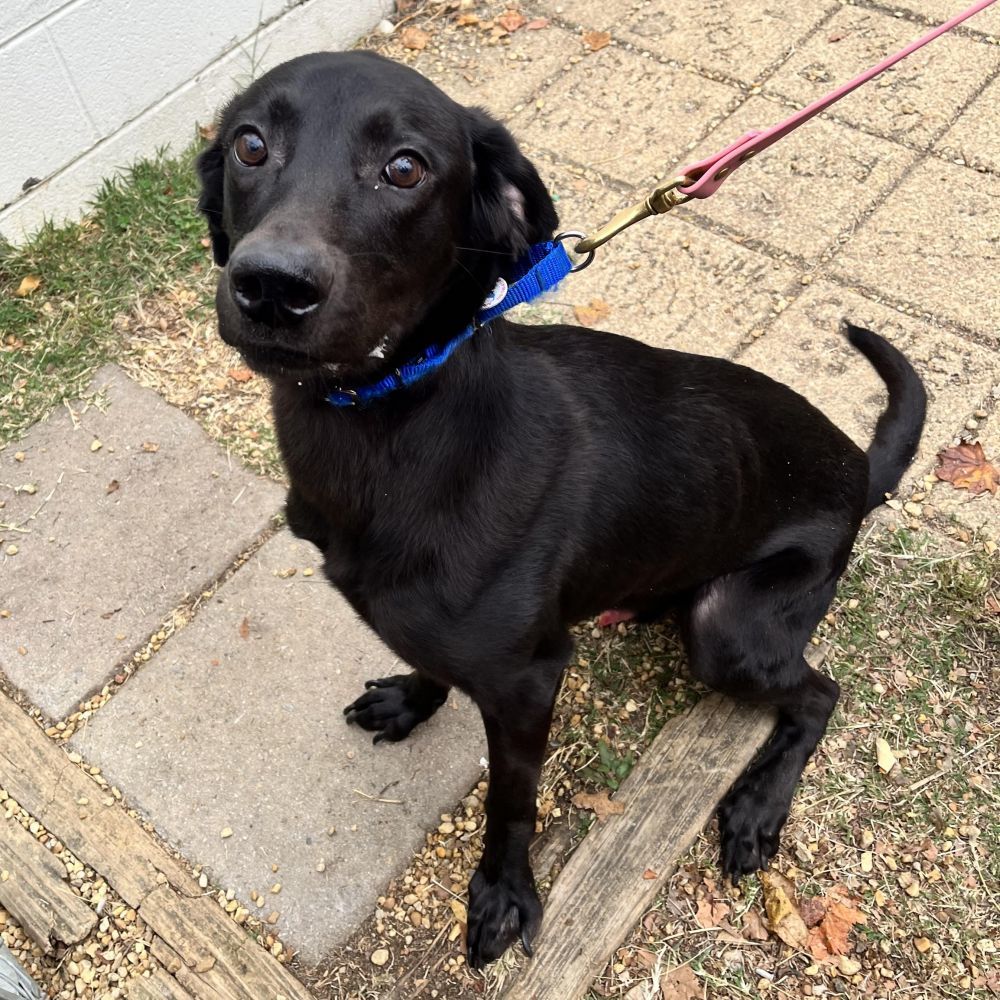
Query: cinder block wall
{"x": 89, "y": 86}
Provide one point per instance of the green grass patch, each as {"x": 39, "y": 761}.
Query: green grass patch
{"x": 143, "y": 232}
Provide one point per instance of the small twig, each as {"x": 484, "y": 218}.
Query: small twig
{"x": 375, "y": 798}
{"x": 946, "y": 770}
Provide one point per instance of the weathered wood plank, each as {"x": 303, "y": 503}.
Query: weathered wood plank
{"x": 33, "y": 888}
{"x": 159, "y": 985}
{"x": 217, "y": 959}
{"x": 669, "y": 797}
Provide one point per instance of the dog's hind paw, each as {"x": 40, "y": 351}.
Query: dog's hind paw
{"x": 500, "y": 913}
{"x": 392, "y": 706}
{"x": 749, "y": 828}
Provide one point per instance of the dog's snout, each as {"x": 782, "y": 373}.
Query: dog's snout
{"x": 278, "y": 284}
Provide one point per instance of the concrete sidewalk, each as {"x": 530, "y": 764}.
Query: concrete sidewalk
{"x": 230, "y": 737}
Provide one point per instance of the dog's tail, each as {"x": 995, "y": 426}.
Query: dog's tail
{"x": 897, "y": 432}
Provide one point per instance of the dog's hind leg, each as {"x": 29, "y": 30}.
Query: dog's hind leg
{"x": 503, "y": 903}
{"x": 745, "y": 638}
{"x": 392, "y": 706}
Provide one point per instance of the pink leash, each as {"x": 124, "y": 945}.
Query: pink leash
{"x": 713, "y": 170}
{"x": 699, "y": 180}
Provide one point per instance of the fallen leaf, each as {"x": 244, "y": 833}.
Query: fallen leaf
{"x": 592, "y": 314}
{"x": 680, "y": 984}
{"x": 965, "y": 467}
{"x": 711, "y": 912}
{"x": 150, "y": 446}
{"x": 649, "y": 874}
{"x": 598, "y": 803}
{"x": 113, "y": 486}
{"x": 245, "y": 628}
{"x": 782, "y": 910}
{"x": 205, "y": 242}
{"x": 646, "y": 958}
{"x": 28, "y": 284}
{"x": 511, "y": 20}
{"x": 596, "y": 40}
{"x": 208, "y": 132}
{"x": 753, "y": 926}
{"x": 812, "y": 909}
{"x": 465, "y": 20}
{"x": 537, "y": 23}
{"x": 922, "y": 944}
{"x": 884, "y": 756}
{"x": 830, "y": 938}
{"x": 415, "y": 38}
{"x": 240, "y": 374}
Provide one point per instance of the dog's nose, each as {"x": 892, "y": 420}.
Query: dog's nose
{"x": 278, "y": 284}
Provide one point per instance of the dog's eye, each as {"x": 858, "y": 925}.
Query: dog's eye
{"x": 250, "y": 149}
{"x": 404, "y": 171}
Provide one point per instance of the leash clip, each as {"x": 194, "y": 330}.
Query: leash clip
{"x": 661, "y": 199}
{"x": 559, "y": 237}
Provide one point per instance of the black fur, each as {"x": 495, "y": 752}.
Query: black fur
{"x": 544, "y": 473}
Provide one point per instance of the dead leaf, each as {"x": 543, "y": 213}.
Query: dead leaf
{"x": 992, "y": 604}
{"x": 649, "y": 874}
{"x": 113, "y": 486}
{"x": 812, "y": 909}
{"x": 415, "y": 38}
{"x": 205, "y": 242}
{"x": 28, "y": 284}
{"x": 884, "y": 756}
{"x": 711, "y": 912}
{"x": 537, "y": 24}
{"x": 466, "y": 20}
{"x": 592, "y": 314}
{"x": 511, "y": 20}
{"x": 598, "y": 803}
{"x": 965, "y": 467}
{"x": 150, "y": 446}
{"x": 782, "y": 910}
{"x": 646, "y": 958}
{"x": 208, "y": 132}
{"x": 753, "y": 926}
{"x": 680, "y": 984}
{"x": 245, "y": 628}
{"x": 240, "y": 374}
{"x": 830, "y": 938}
{"x": 596, "y": 40}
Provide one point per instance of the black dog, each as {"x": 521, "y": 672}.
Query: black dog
{"x": 542, "y": 474}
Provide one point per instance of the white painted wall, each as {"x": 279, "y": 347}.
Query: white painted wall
{"x": 89, "y": 86}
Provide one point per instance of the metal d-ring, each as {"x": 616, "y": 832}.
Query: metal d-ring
{"x": 559, "y": 237}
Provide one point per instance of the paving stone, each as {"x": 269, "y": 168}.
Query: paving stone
{"x": 802, "y": 194}
{"x": 604, "y": 114}
{"x": 914, "y": 100}
{"x": 738, "y": 38}
{"x": 499, "y": 76}
{"x": 665, "y": 281}
{"x": 975, "y": 137}
{"x": 589, "y": 14}
{"x": 238, "y": 723}
{"x": 938, "y": 11}
{"x": 113, "y": 539}
{"x": 980, "y": 512}
{"x": 805, "y": 350}
{"x": 934, "y": 243}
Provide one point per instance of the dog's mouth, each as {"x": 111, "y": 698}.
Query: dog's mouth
{"x": 273, "y": 359}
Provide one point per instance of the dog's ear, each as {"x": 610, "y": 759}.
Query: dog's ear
{"x": 211, "y": 168}
{"x": 510, "y": 207}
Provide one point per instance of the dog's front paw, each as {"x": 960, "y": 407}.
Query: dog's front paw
{"x": 392, "y": 706}
{"x": 749, "y": 827}
{"x": 500, "y": 912}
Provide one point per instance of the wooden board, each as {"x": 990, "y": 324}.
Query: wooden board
{"x": 159, "y": 985}
{"x": 218, "y": 958}
{"x": 608, "y": 881}
{"x": 33, "y": 888}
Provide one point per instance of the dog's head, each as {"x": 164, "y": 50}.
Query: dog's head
{"x": 356, "y": 208}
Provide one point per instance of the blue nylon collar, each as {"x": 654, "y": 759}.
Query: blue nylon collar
{"x": 538, "y": 270}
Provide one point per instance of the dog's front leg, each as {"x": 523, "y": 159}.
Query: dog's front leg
{"x": 503, "y": 903}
